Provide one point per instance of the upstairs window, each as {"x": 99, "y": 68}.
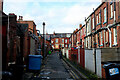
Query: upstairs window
{"x": 56, "y": 41}
{"x": 93, "y": 23}
{"x": 62, "y": 40}
{"x": 99, "y": 17}
{"x": 105, "y": 17}
{"x": 111, "y": 6}
{"x": 65, "y": 40}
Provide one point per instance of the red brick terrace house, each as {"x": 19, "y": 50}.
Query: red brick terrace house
{"x": 103, "y": 26}
{"x": 77, "y": 38}
{"x": 60, "y": 40}
{"x": 103, "y": 31}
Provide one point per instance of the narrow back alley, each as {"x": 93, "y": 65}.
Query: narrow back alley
{"x": 54, "y": 68}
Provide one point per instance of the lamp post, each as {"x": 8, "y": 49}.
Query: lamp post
{"x": 43, "y": 39}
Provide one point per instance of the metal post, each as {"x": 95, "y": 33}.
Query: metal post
{"x": 43, "y": 39}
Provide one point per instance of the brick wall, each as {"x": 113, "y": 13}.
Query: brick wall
{"x": 118, "y": 35}
{"x": 12, "y": 36}
{"x": 103, "y": 71}
{"x": 1, "y": 4}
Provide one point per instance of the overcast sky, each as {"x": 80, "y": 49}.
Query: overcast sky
{"x": 61, "y": 16}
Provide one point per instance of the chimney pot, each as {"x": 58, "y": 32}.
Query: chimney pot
{"x": 80, "y": 25}
{"x": 20, "y": 18}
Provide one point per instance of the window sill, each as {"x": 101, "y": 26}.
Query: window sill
{"x": 95, "y": 43}
{"x": 111, "y": 3}
{"x": 101, "y": 45}
{"x": 98, "y": 24}
{"x": 104, "y": 22}
{"x": 106, "y": 43}
{"x": 114, "y": 45}
{"x": 93, "y": 29}
{"x": 111, "y": 18}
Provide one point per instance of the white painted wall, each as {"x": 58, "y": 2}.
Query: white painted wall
{"x": 67, "y": 53}
{"x": 90, "y": 61}
{"x": 98, "y": 61}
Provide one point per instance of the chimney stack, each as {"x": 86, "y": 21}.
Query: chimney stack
{"x": 54, "y": 33}
{"x": 1, "y": 5}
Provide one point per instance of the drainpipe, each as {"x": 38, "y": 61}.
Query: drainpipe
{"x": 86, "y": 33}
{"x": 109, "y": 34}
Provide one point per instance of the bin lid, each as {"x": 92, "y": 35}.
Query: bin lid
{"x": 35, "y": 56}
{"x": 109, "y": 65}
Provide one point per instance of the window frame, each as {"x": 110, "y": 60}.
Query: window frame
{"x": 101, "y": 41}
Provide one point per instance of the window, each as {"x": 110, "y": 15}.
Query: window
{"x": 56, "y": 40}
{"x": 101, "y": 39}
{"x": 66, "y": 45}
{"x": 62, "y": 45}
{"x": 93, "y": 23}
{"x": 99, "y": 17}
{"x": 51, "y": 41}
{"x": 56, "y": 46}
{"x": 111, "y": 6}
{"x": 65, "y": 40}
{"x": 105, "y": 15}
{"x": 69, "y": 45}
{"x": 52, "y": 46}
{"x": 62, "y": 40}
{"x": 107, "y": 36}
{"x": 115, "y": 36}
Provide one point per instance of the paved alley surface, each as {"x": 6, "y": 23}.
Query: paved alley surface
{"x": 55, "y": 69}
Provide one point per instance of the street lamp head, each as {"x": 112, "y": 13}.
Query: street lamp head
{"x": 43, "y": 23}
